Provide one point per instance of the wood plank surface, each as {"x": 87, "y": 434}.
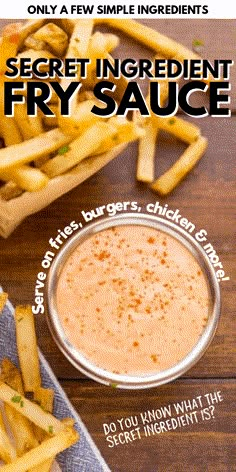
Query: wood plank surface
{"x": 202, "y": 447}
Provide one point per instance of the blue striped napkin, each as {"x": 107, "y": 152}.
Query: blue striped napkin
{"x": 83, "y": 456}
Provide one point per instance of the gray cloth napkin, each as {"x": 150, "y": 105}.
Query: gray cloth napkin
{"x": 83, "y": 456}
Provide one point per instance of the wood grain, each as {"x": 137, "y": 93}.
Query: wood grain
{"x": 206, "y": 446}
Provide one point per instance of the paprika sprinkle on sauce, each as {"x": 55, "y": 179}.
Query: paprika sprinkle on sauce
{"x": 132, "y": 300}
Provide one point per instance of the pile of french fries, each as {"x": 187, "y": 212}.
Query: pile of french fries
{"x": 50, "y": 155}
{"x": 30, "y": 435}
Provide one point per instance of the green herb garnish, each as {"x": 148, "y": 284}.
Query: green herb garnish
{"x": 113, "y": 385}
{"x": 172, "y": 121}
{"x": 50, "y": 429}
{"x": 197, "y": 45}
{"x": 63, "y": 150}
{"x": 198, "y": 42}
{"x": 16, "y": 399}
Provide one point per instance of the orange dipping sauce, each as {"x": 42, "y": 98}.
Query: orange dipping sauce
{"x": 133, "y": 300}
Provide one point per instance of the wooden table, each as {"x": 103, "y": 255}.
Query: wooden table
{"x": 207, "y": 198}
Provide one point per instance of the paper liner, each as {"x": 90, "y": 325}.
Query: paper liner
{"x": 13, "y": 212}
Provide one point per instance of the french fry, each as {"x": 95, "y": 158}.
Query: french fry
{"x": 170, "y": 179}
{"x": 112, "y": 41}
{"x": 120, "y": 83}
{"x": 67, "y": 24}
{"x": 81, "y": 118}
{"x": 97, "y": 46}
{"x": 9, "y": 130}
{"x": 9, "y": 191}
{"x": 101, "y": 44}
{"x": 19, "y": 207}
{"x": 127, "y": 131}
{"x": 78, "y": 47}
{"x": 7, "y": 451}
{"x": 30, "y": 410}
{"x": 49, "y": 448}
{"x": 26, "y": 177}
{"x": 34, "y": 55}
{"x": 20, "y": 426}
{"x": 22, "y": 430}
{"x": 29, "y": 126}
{"x": 146, "y": 153}
{"x": 27, "y": 348}
{"x": 2, "y": 424}
{"x": 53, "y": 96}
{"x": 25, "y": 152}
{"x": 80, "y": 37}
{"x": 150, "y": 38}
{"x": 54, "y": 37}
{"x": 46, "y": 466}
{"x": 78, "y": 44}
{"x": 68, "y": 421}
{"x": 9, "y": 43}
{"x": 26, "y": 436}
{"x": 82, "y": 147}
{"x": 3, "y": 300}
{"x": 44, "y": 397}
{"x": 32, "y": 43}
{"x": 11, "y": 376}
{"x": 147, "y": 144}
{"x": 43, "y": 467}
{"x": 36, "y": 124}
{"x": 181, "y": 129}
{"x": 28, "y": 28}
{"x": 51, "y": 121}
